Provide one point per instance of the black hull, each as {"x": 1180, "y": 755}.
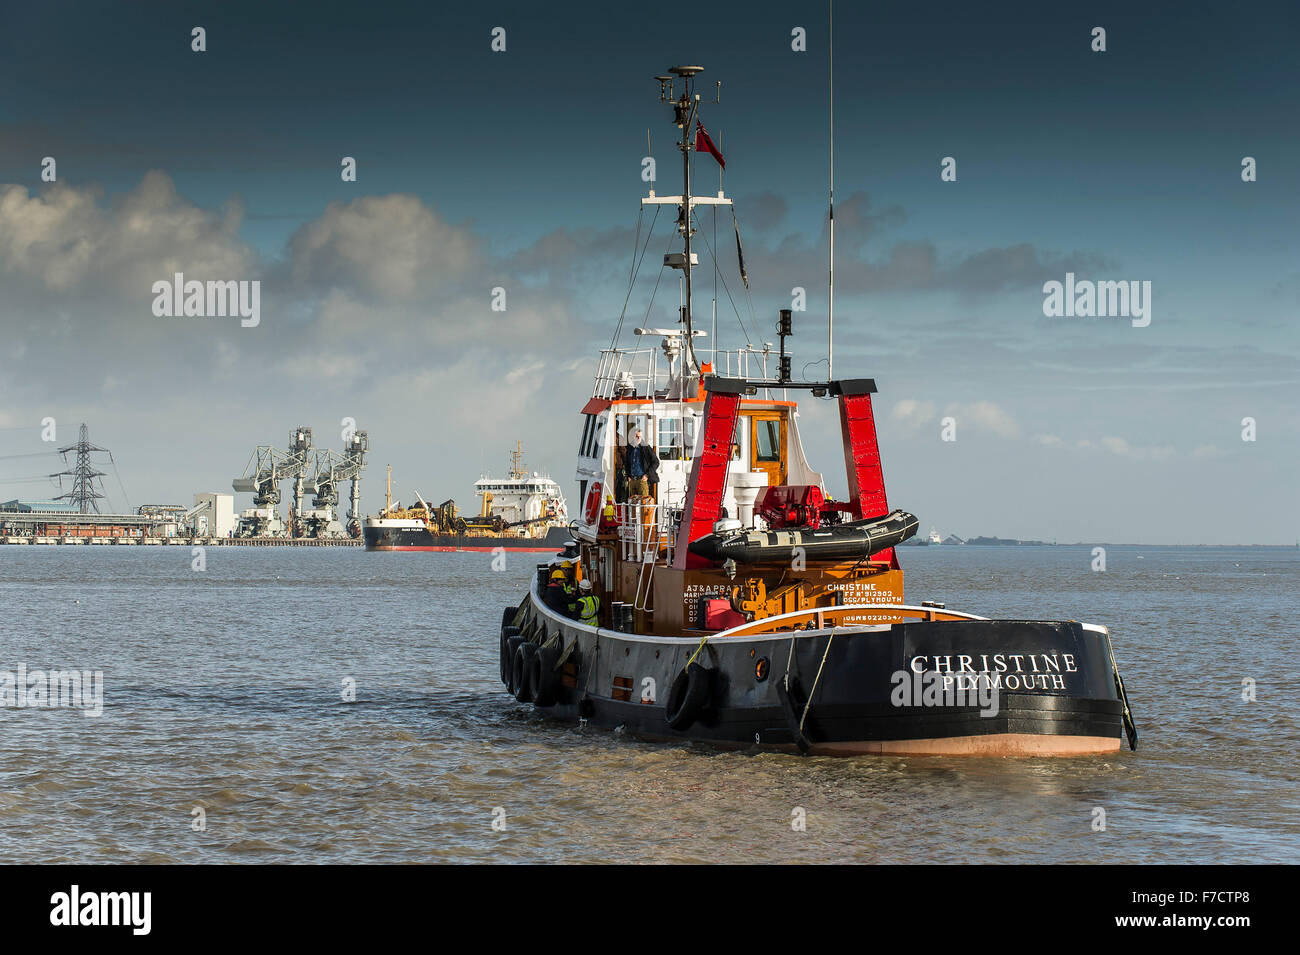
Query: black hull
{"x": 1058, "y": 693}
{"x": 403, "y": 538}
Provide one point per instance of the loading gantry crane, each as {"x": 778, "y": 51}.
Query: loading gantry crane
{"x": 332, "y": 469}
{"x": 267, "y": 468}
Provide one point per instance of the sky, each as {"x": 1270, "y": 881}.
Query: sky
{"x": 521, "y": 169}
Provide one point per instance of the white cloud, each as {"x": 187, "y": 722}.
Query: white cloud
{"x": 394, "y": 247}
{"x": 65, "y": 237}
{"x": 912, "y": 414}
{"x": 985, "y": 416}
{"x": 1122, "y": 448}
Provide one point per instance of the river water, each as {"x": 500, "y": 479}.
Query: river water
{"x": 223, "y": 692}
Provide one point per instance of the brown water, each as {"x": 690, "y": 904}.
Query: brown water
{"x": 222, "y": 690}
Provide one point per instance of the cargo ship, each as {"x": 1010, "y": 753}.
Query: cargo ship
{"x": 725, "y": 597}
{"x": 524, "y": 511}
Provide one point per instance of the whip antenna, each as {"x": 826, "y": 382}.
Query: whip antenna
{"x": 830, "y": 324}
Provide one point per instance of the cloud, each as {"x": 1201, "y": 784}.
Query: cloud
{"x": 912, "y": 414}
{"x": 764, "y": 211}
{"x": 392, "y": 247}
{"x": 1121, "y": 447}
{"x": 985, "y": 416}
{"x": 66, "y": 237}
{"x": 867, "y": 263}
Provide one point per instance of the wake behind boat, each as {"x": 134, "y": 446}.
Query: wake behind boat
{"x": 713, "y": 591}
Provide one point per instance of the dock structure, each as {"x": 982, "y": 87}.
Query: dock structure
{"x": 69, "y": 528}
{"x": 70, "y": 540}
{"x": 75, "y": 518}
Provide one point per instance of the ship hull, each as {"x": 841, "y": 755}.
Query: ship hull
{"x": 1057, "y": 690}
{"x": 421, "y": 539}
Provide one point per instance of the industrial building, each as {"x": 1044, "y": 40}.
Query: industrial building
{"x": 213, "y": 514}
{"x": 75, "y": 518}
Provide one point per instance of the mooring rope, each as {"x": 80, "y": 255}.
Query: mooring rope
{"x": 813, "y": 692}
{"x": 703, "y": 641}
{"x": 1130, "y": 726}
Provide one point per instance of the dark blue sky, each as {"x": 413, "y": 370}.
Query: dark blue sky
{"x": 1120, "y": 165}
{"x": 414, "y": 92}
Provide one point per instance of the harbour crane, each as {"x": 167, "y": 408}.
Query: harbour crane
{"x": 267, "y": 468}
{"x": 331, "y": 469}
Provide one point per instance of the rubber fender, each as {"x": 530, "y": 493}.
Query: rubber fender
{"x": 507, "y": 661}
{"x": 523, "y": 657}
{"x": 688, "y": 696}
{"x": 512, "y": 647}
{"x": 508, "y": 616}
{"x": 546, "y": 680}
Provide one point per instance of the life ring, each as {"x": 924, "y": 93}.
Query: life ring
{"x": 688, "y": 696}
{"x": 543, "y": 678}
{"x": 523, "y": 686}
{"x": 591, "y": 509}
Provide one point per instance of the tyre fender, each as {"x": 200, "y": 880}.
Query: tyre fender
{"x": 523, "y": 657}
{"x": 512, "y": 647}
{"x": 688, "y": 696}
{"x": 547, "y": 682}
{"x": 507, "y": 657}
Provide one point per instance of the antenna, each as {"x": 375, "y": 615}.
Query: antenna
{"x": 685, "y": 108}
{"x": 830, "y": 324}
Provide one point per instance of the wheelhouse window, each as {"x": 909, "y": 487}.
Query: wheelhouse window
{"x": 629, "y": 425}
{"x": 676, "y": 439}
{"x": 767, "y": 437}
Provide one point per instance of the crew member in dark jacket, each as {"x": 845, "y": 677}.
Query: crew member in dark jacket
{"x": 642, "y": 466}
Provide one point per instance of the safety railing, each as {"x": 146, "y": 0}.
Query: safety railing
{"x": 626, "y": 372}
{"x": 748, "y": 362}
{"x": 645, "y": 533}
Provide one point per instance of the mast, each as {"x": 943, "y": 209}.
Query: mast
{"x": 830, "y": 324}
{"x": 685, "y": 107}
{"x": 684, "y": 111}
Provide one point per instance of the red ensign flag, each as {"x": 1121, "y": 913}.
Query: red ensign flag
{"x": 704, "y": 144}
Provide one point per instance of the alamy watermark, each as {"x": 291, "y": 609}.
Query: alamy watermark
{"x": 53, "y": 689}
{"x": 931, "y": 688}
{"x": 1087, "y": 299}
{"x": 179, "y": 298}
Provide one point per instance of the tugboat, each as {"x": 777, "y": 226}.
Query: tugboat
{"x": 722, "y": 597}
{"x": 521, "y": 512}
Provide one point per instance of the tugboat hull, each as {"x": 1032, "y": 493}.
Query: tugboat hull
{"x": 884, "y": 689}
